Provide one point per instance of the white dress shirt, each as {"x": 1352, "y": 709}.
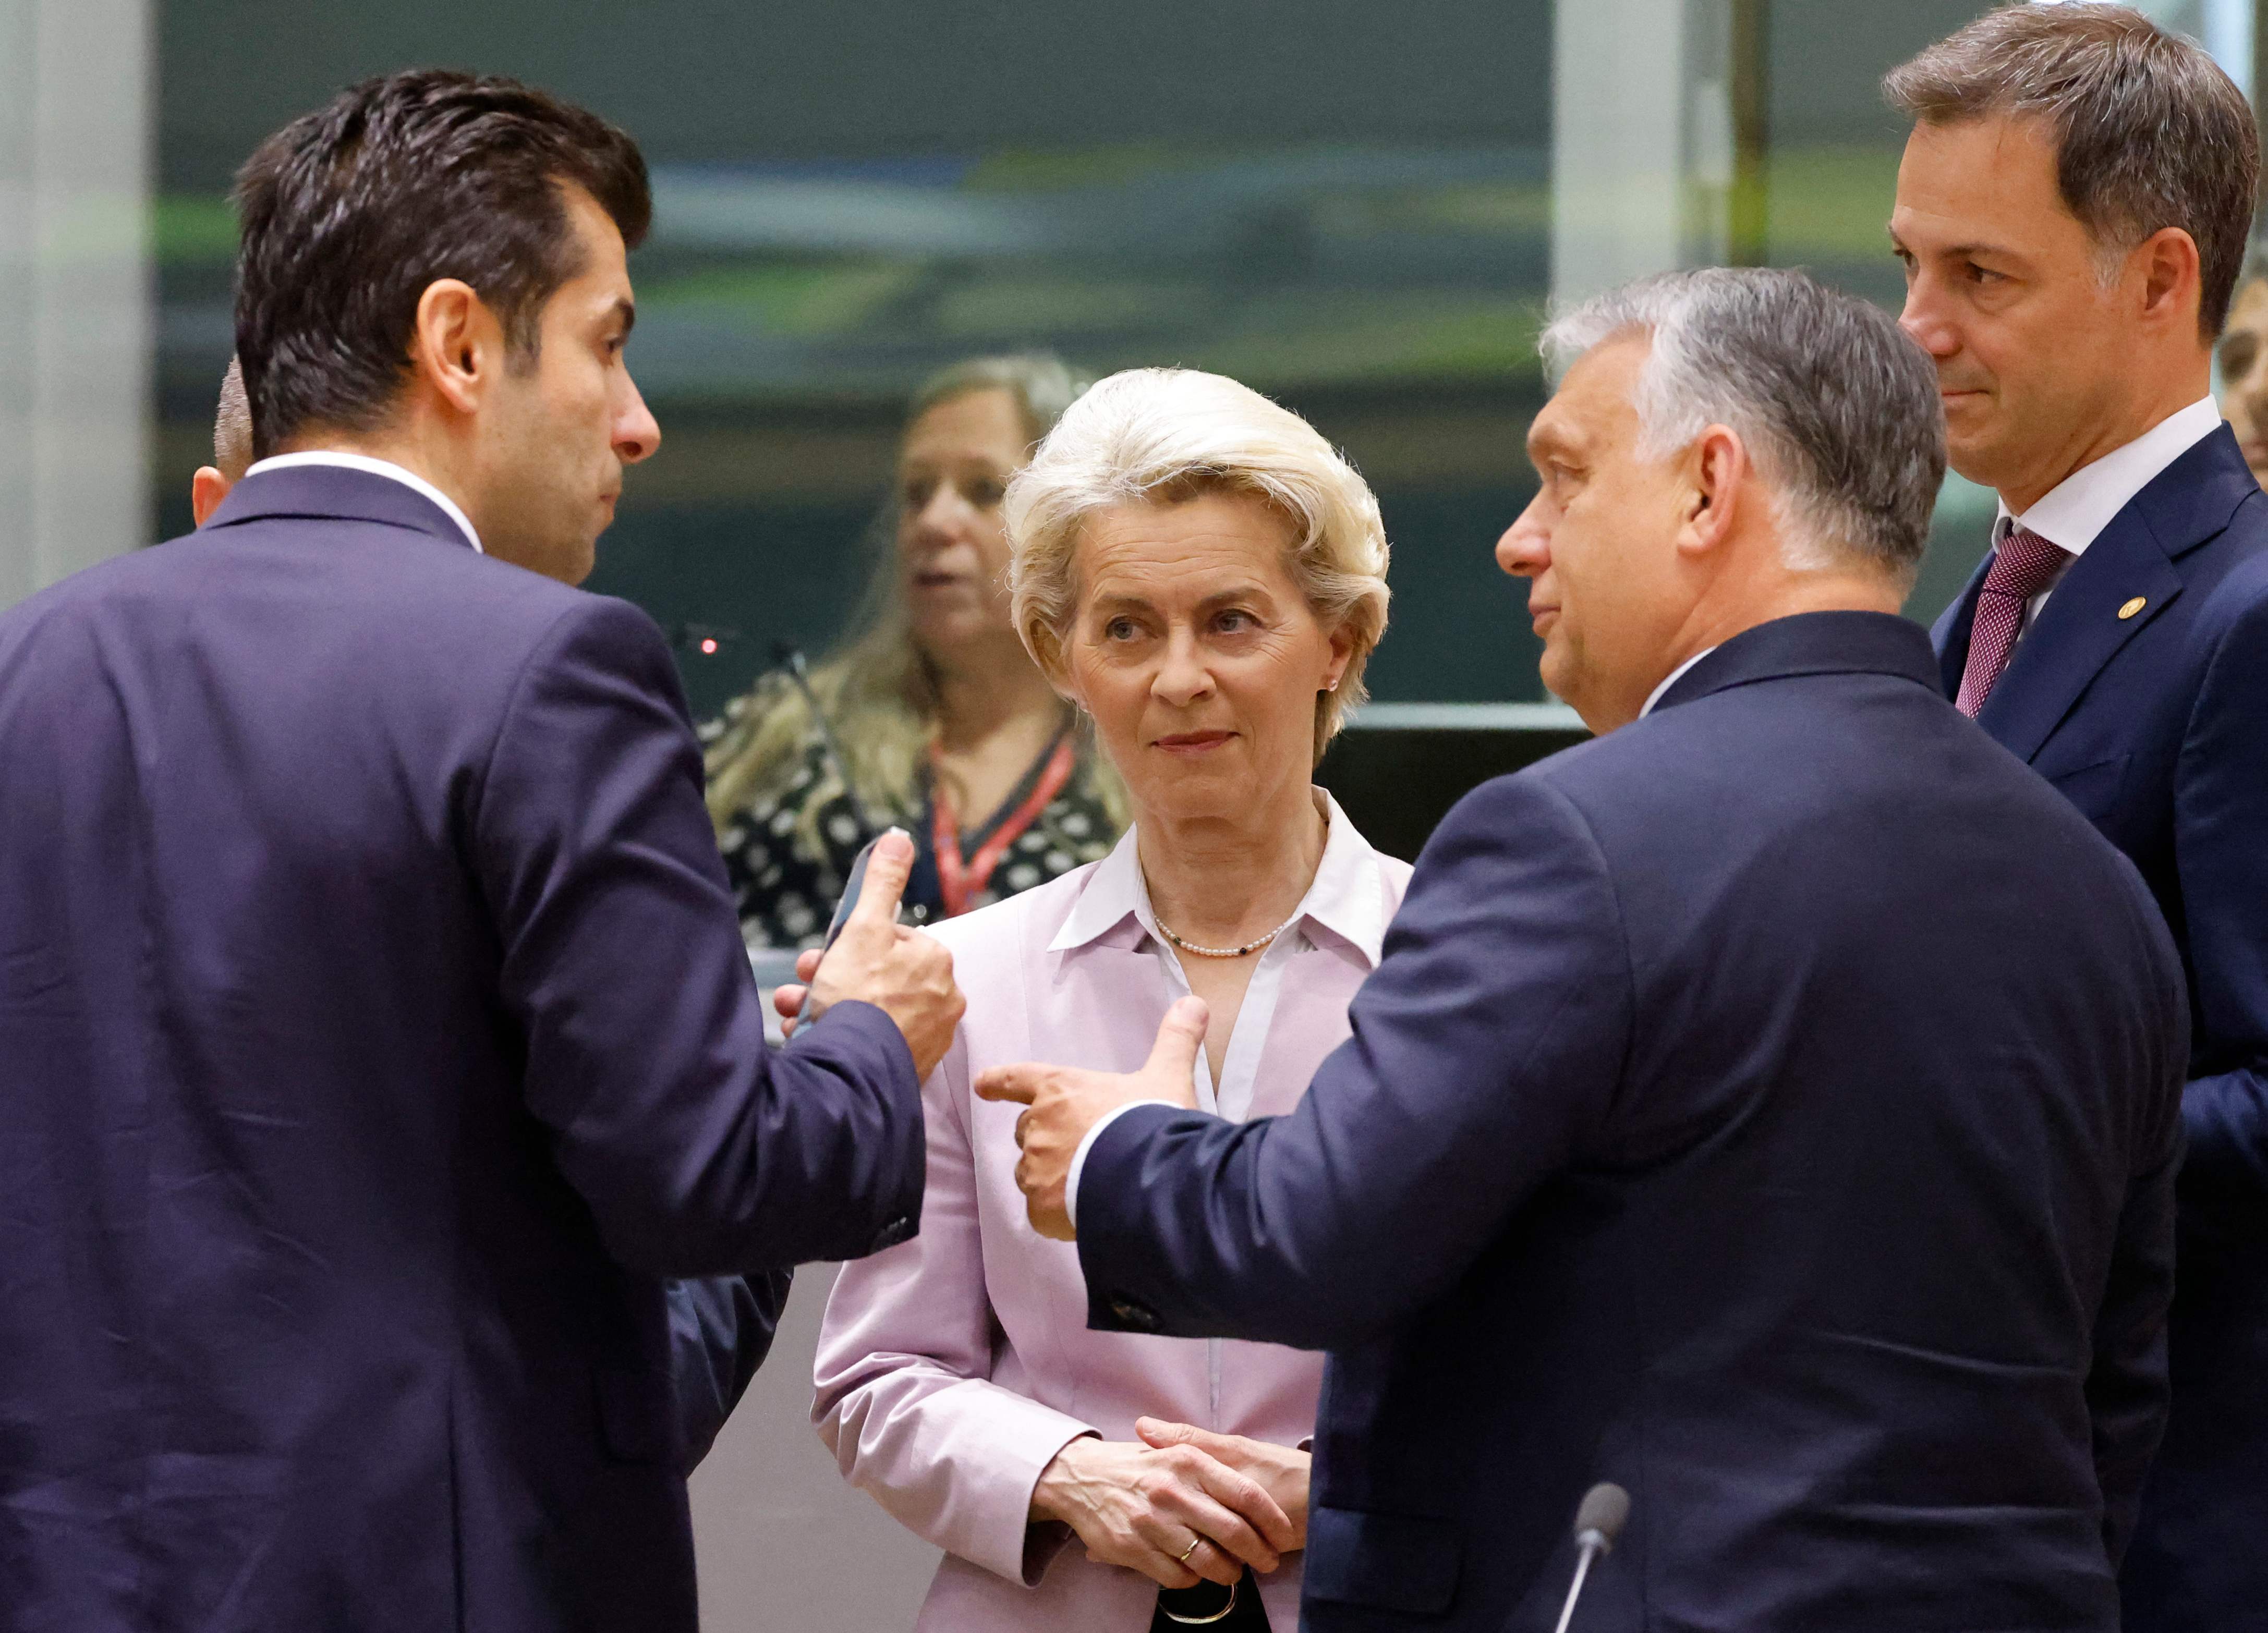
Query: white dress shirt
{"x": 1343, "y": 897}
{"x": 375, "y": 467}
{"x": 2073, "y": 514}
{"x": 2076, "y": 510}
{"x": 1672, "y": 679}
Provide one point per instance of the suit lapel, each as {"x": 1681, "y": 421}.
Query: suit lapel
{"x": 2078, "y": 631}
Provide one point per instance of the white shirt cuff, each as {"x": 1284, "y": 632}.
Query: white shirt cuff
{"x": 1079, "y": 1157}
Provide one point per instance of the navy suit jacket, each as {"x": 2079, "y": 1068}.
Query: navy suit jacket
{"x": 376, "y": 1038}
{"x": 720, "y": 1329}
{"x": 2155, "y": 725}
{"x": 1771, "y": 1107}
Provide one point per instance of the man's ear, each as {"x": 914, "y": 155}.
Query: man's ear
{"x": 457, "y": 346}
{"x": 2172, "y": 281}
{"x": 1716, "y": 466}
{"x": 207, "y": 489}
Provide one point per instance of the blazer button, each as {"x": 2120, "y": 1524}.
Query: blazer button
{"x": 896, "y": 1231}
{"x": 1136, "y": 1316}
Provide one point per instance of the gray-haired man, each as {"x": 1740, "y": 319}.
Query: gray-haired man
{"x": 2072, "y": 211}
{"x": 1770, "y": 1106}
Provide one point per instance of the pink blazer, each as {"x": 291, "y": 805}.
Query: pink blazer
{"x": 952, "y": 1369}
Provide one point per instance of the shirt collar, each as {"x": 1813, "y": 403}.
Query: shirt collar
{"x": 1346, "y": 899}
{"x": 1670, "y": 680}
{"x": 375, "y": 467}
{"x": 2077, "y": 509}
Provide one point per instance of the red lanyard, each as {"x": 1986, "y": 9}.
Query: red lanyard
{"x": 960, "y": 880}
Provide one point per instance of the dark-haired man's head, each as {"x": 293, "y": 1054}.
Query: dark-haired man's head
{"x": 232, "y": 447}
{"x": 434, "y": 271}
{"x": 2072, "y": 212}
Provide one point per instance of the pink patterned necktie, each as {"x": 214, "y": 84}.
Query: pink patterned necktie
{"x": 2024, "y": 565}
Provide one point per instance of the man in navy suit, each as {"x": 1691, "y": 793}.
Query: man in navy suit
{"x": 2072, "y": 211}
{"x": 375, "y": 1032}
{"x": 720, "y": 1329}
{"x": 1771, "y": 1106}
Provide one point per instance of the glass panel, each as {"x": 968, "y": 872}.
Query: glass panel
{"x": 1347, "y": 210}
{"x": 1347, "y": 205}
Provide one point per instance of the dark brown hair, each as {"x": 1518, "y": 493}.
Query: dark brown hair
{"x": 350, "y": 212}
{"x": 2149, "y": 132}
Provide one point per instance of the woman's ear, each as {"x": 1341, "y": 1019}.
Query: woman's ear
{"x": 1343, "y": 642}
{"x": 1047, "y": 653}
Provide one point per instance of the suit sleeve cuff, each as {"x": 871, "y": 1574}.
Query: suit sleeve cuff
{"x": 1086, "y": 1144}
{"x": 875, "y": 1030}
{"x": 861, "y": 1040}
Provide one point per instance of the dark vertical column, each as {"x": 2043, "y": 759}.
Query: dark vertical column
{"x": 1748, "y": 225}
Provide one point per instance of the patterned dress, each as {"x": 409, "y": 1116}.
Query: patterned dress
{"x": 786, "y": 887}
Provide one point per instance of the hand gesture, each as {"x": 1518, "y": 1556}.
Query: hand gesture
{"x": 1065, "y": 1102}
{"x": 1173, "y": 1513}
{"x": 905, "y": 973}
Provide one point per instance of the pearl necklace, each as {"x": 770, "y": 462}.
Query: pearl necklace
{"x": 1166, "y": 931}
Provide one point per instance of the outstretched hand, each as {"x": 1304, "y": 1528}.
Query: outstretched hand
{"x": 1063, "y": 1102}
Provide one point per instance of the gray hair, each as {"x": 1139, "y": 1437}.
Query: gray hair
{"x": 2149, "y": 132}
{"x": 1836, "y": 407}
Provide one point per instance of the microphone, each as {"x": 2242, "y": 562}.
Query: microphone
{"x": 1598, "y": 1522}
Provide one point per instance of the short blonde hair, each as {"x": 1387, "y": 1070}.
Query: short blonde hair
{"x": 1166, "y": 436}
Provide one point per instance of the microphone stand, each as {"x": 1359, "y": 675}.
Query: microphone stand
{"x": 1593, "y": 1545}
{"x": 1598, "y": 1522}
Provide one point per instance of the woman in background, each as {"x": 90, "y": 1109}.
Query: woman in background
{"x": 2242, "y": 365}
{"x": 931, "y": 716}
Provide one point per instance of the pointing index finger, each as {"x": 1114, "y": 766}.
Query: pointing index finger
{"x": 1018, "y": 1084}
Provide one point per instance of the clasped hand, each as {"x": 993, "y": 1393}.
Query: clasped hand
{"x": 1063, "y": 1102}
{"x": 1181, "y": 1503}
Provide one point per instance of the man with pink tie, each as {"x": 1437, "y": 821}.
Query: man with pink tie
{"x": 2072, "y": 212}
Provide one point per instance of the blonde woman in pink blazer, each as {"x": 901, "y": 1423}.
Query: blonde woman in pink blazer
{"x": 1198, "y": 571}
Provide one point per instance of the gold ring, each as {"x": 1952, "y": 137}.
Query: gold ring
{"x": 1183, "y": 1558}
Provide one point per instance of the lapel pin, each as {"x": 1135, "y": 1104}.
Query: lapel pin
{"x": 2133, "y": 607}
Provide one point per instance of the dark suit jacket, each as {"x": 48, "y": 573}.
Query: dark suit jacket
{"x": 2155, "y": 725}
{"x": 375, "y": 1037}
{"x": 720, "y": 1329}
{"x": 1771, "y": 1107}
